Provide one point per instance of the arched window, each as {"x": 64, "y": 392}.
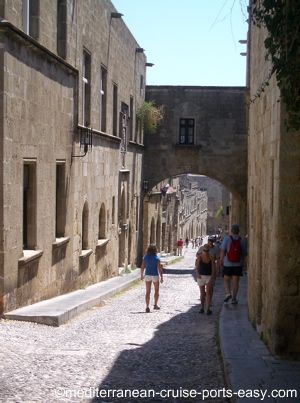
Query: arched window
{"x": 85, "y": 227}
{"x": 102, "y": 223}
{"x": 152, "y": 231}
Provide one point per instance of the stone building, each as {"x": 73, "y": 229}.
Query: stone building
{"x": 160, "y": 216}
{"x": 218, "y": 203}
{"x": 204, "y": 132}
{"x": 72, "y": 79}
{"x": 172, "y": 210}
{"x": 193, "y": 209}
{"x": 273, "y": 209}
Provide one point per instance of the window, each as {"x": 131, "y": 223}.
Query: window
{"x": 29, "y": 205}
{"x": 62, "y": 28}
{"x": 186, "y": 131}
{"x": 137, "y": 213}
{"x": 31, "y": 16}
{"x": 85, "y": 227}
{"x": 60, "y": 216}
{"x": 26, "y": 17}
{"x": 103, "y": 99}
{"x": 115, "y": 110}
{"x": 102, "y": 223}
{"x": 142, "y": 84}
{"x": 131, "y": 119}
{"x": 113, "y": 210}
{"x": 86, "y": 90}
{"x": 272, "y": 188}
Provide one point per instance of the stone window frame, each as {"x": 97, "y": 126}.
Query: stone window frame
{"x": 186, "y": 123}
{"x": 29, "y": 212}
{"x": 62, "y": 28}
{"x": 86, "y": 87}
{"x": 137, "y": 213}
{"x": 115, "y": 98}
{"x": 31, "y": 17}
{"x": 130, "y": 117}
{"x": 29, "y": 204}
{"x": 103, "y": 98}
{"x": 85, "y": 250}
{"x": 60, "y": 205}
{"x": 102, "y": 228}
{"x": 102, "y": 222}
{"x": 113, "y": 210}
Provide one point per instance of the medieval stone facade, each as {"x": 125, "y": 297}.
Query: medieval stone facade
{"x": 72, "y": 79}
{"x": 217, "y": 203}
{"x": 204, "y": 132}
{"x": 273, "y": 210}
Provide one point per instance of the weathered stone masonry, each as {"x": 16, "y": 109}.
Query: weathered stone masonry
{"x": 273, "y": 210}
{"x": 219, "y": 145}
{"x": 59, "y": 73}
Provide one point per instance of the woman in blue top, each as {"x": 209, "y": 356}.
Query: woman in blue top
{"x": 151, "y": 263}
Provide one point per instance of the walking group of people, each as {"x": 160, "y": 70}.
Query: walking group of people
{"x": 195, "y": 244}
{"x": 211, "y": 259}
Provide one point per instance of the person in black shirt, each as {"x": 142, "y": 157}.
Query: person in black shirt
{"x": 206, "y": 276}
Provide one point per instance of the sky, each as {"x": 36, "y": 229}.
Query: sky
{"x": 190, "y": 42}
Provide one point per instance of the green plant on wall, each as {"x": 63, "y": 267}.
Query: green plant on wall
{"x": 150, "y": 116}
{"x": 219, "y": 212}
{"x": 281, "y": 19}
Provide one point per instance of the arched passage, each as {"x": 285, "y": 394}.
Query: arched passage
{"x": 216, "y": 117}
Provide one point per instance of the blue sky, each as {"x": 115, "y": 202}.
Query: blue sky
{"x": 191, "y": 42}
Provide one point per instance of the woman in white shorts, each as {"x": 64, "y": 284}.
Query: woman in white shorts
{"x": 151, "y": 263}
{"x": 206, "y": 276}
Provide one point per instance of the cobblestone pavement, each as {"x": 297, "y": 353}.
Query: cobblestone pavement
{"x": 117, "y": 346}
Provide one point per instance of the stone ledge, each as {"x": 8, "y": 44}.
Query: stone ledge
{"x": 102, "y": 242}
{"x": 85, "y": 253}
{"x": 29, "y": 256}
{"x": 60, "y": 242}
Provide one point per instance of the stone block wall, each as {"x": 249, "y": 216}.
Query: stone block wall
{"x": 38, "y": 103}
{"x": 41, "y": 118}
{"x": 273, "y": 195}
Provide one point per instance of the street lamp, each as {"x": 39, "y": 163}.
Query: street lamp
{"x": 86, "y": 140}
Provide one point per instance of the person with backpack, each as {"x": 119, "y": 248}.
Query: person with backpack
{"x": 232, "y": 255}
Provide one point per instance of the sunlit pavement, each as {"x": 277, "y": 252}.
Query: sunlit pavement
{"x": 116, "y": 347}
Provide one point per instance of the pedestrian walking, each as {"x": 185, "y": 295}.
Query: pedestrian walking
{"x": 214, "y": 250}
{"x": 152, "y": 267}
{"x": 206, "y": 276}
{"x": 187, "y": 242}
{"x": 233, "y": 251}
{"x": 180, "y": 246}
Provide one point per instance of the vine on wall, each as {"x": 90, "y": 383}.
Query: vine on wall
{"x": 282, "y": 21}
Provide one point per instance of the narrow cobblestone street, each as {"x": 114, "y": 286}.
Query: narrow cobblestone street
{"x": 117, "y": 346}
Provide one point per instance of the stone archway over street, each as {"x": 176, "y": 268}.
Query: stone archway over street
{"x": 204, "y": 131}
